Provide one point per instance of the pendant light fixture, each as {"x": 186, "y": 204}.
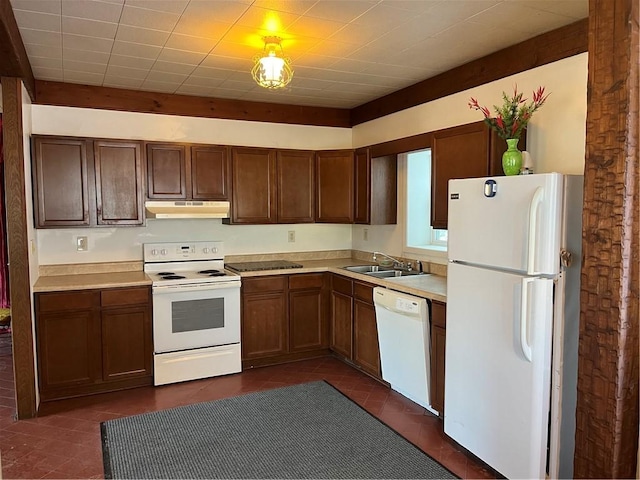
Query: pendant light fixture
{"x": 272, "y": 70}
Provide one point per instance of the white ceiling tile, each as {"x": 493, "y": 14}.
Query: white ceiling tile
{"x": 142, "y": 17}
{"x": 340, "y": 10}
{"x": 224, "y": 11}
{"x": 538, "y": 21}
{"x": 136, "y": 50}
{"x": 207, "y": 72}
{"x": 50, "y": 51}
{"x": 127, "y": 72}
{"x": 41, "y": 72}
{"x": 144, "y": 36}
{"x": 92, "y": 10}
{"x": 44, "y": 62}
{"x": 161, "y": 87}
{"x": 170, "y": 67}
{"x": 314, "y": 27}
{"x": 201, "y": 27}
{"x": 42, "y": 6}
{"x": 226, "y": 63}
{"x": 92, "y": 44}
{"x": 38, "y": 21}
{"x": 421, "y": 6}
{"x": 195, "y": 90}
{"x": 290, "y": 6}
{"x": 384, "y": 15}
{"x": 180, "y": 56}
{"x": 171, "y": 6}
{"x": 40, "y": 37}
{"x": 203, "y": 82}
{"x": 85, "y": 78}
{"x": 333, "y": 48}
{"x": 167, "y": 77}
{"x": 85, "y": 56}
{"x": 132, "y": 62}
{"x": 576, "y": 9}
{"x": 99, "y": 68}
{"x": 189, "y": 43}
{"x": 263, "y": 19}
{"x": 357, "y": 34}
{"x": 95, "y": 28}
{"x": 121, "y": 82}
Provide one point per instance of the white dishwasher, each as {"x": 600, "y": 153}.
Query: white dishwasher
{"x": 403, "y": 335}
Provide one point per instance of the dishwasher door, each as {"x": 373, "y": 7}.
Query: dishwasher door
{"x": 403, "y": 335}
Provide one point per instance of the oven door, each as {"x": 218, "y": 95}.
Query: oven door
{"x": 194, "y": 316}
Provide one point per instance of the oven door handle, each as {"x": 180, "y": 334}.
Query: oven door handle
{"x": 193, "y": 287}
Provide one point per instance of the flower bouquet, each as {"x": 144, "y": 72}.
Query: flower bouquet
{"x": 510, "y": 119}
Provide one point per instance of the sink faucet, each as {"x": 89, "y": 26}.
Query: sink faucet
{"x": 396, "y": 262}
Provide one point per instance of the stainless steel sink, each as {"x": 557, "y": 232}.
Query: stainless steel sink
{"x": 365, "y": 269}
{"x": 392, "y": 274}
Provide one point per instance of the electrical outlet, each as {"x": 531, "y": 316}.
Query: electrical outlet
{"x": 292, "y": 235}
{"x": 365, "y": 234}
{"x": 82, "y": 244}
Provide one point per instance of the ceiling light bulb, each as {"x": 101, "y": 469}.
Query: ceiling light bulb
{"x": 271, "y": 70}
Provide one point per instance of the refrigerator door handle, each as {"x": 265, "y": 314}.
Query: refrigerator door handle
{"x": 524, "y": 317}
{"x": 533, "y": 228}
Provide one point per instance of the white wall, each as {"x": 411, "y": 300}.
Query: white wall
{"x": 120, "y": 244}
{"x": 556, "y": 133}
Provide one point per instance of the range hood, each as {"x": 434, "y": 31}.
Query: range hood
{"x": 186, "y": 209}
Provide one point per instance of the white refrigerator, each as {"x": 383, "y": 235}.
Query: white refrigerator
{"x": 512, "y": 321}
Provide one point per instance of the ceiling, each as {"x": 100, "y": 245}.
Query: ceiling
{"x": 344, "y": 52}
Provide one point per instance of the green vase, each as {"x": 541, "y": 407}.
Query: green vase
{"x": 512, "y": 158}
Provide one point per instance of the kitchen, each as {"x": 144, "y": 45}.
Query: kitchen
{"x": 59, "y": 247}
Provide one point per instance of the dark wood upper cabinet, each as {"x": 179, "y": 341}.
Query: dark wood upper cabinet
{"x": 166, "y": 171}
{"x": 118, "y": 169}
{"x": 296, "y": 186}
{"x": 458, "y": 152}
{"x": 375, "y": 188}
{"x": 61, "y": 181}
{"x": 465, "y": 151}
{"x": 209, "y": 172}
{"x": 187, "y": 172}
{"x": 334, "y": 186}
{"x": 253, "y": 174}
{"x": 86, "y": 182}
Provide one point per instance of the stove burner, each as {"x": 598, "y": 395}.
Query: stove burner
{"x": 172, "y": 277}
{"x": 207, "y": 272}
{"x": 217, "y": 274}
{"x": 163, "y": 274}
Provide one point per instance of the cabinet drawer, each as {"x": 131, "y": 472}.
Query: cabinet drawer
{"x": 264, "y": 284}
{"x": 303, "y": 281}
{"x": 438, "y": 314}
{"x": 363, "y": 291}
{"x": 342, "y": 285}
{"x": 128, "y": 296}
{"x": 56, "y": 302}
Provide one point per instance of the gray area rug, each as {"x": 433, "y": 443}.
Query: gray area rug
{"x": 303, "y": 431}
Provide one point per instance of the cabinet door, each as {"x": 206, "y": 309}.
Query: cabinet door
{"x": 60, "y": 169}
{"x": 307, "y": 325}
{"x": 438, "y": 341}
{"x": 375, "y": 189}
{"x": 209, "y": 173}
{"x": 334, "y": 186}
{"x": 341, "y": 324}
{"x": 366, "y": 350}
{"x": 264, "y": 325}
{"x": 458, "y": 152}
{"x": 127, "y": 349}
{"x": 296, "y": 186}
{"x": 362, "y": 197}
{"x": 68, "y": 351}
{"x": 119, "y": 195}
{"x": 253, "y": 173}
{"x": 166, "y": 171}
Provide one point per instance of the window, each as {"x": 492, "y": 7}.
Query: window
{"x": 420, "y": 238}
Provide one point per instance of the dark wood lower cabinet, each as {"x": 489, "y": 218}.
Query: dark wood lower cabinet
{"x": 283, "y": 318}
{"x": 354, "y": 332}
{"x": 438, "y": 341}
{"x": 93, "y": 341}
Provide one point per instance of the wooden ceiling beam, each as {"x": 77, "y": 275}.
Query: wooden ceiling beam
{"x": 13, "y": 56}
{"x": 86, "y": 96}
{"x": 546, "y": 48}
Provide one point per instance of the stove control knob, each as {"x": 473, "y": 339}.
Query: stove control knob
{"x": 154, "y": 252}
{"x": 163, "y": 251}
{"x": 205, "y": 249}
{"x": 214, "y": 249}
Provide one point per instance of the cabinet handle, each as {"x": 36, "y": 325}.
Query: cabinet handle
{"x": 524, "y": 317}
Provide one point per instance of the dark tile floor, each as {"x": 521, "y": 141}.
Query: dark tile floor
{"x": 64, "y": 441}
